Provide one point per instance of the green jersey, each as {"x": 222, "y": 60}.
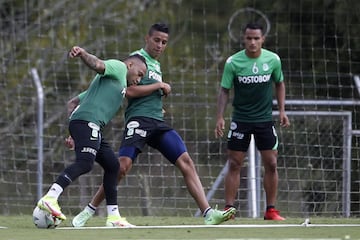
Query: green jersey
{"x": 151, "y": 105}
{"x": 252, "y": 80}
{"x": 101, "y": 101}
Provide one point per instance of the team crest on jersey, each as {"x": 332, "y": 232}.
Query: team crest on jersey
{"x": 265, "y": 67}
{"x": 233, "y": 125}
{"x": 157, "y": 67}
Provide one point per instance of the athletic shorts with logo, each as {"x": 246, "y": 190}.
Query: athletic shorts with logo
{"x": 239, "y": 136}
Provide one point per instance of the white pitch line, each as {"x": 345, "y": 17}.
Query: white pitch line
{"x": 219, "y": 226}
{"x": 1, "y": 227}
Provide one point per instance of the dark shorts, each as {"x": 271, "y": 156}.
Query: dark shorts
{"x": 239, "y": 136}
{"x": 141, "y": 131}
{"x": 90, "y": 147}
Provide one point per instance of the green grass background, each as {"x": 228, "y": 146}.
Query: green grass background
{"x": 22, "y": 227}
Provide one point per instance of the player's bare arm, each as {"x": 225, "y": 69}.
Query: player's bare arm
{"x": 72, "y": 104}
{"x": 90, "y": 60}
{"x": 136, "y": 91}
{"x": 222, "y": 101}
{"x": 280, "y": 95}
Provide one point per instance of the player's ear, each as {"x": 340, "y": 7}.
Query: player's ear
{"x": 129, "y": 64}
{"x": 147, "y": 37}
{"x": 263, "y": 40}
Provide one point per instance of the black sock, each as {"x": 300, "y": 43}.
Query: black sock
{"x": 269, "y": 207}
{"x": 229, "y": 206}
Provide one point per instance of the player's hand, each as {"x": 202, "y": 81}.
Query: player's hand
{"x": 284, "y": 120}
{"x": 220, "y": 126}
{"x": 69, "y": 142}
{"x": 166, "y": 88}
{"x": 75, "y": 52}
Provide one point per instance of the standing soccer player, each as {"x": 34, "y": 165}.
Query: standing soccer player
{"x": 251, "y": 73}
{"x": 99, "y": 104}
{"x": 145, "y": 125}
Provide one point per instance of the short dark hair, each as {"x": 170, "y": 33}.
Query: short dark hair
{"x": 254, "y": 26}
{"x": 138, "y": 56}
{"x": 160, "y": 27}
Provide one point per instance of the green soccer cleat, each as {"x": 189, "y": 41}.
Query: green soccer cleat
{"x": 50, "y": 204}
{"x": 215, "y": 216}
{"x": 118, "y": 222}
{"x": 81, "y": 219}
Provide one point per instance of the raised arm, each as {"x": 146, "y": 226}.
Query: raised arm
{"x": 90, "y": 60}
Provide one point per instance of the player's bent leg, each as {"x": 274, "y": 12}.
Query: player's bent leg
{"x": 50, "y": 204}
{"x": 125, "y": 166}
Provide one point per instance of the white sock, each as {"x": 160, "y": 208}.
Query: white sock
{"x": 90, "y": 208}
{"x": 208, "y": 210}
{"x": 55, "y": 191}
{"x": 113, "y": 210}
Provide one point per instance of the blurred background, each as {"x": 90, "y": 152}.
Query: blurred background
{"x": 317, "y": 41}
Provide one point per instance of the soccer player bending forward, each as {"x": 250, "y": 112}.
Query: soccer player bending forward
{"x": 99, "y": 104}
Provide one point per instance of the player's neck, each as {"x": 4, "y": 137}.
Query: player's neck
{"x": 251, "y": 54}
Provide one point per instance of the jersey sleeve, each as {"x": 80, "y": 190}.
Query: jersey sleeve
{"x": 115, "y": 69}
{"x": 277, "y": 74}
{"x": 228, "y": 75}
{"x": 82, "y": 95}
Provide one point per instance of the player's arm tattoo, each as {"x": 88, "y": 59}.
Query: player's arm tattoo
{"x": 93, "y": 62}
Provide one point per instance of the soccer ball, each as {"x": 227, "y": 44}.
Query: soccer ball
{"x": 43, "y": 219}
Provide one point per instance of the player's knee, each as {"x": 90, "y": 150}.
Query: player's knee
{"x": 234, "y": 164}
{"x": 125, "y": 165}
{"x": 84, "y": 167}
{"x": 111, "y": 166}
{"x": 185, "y": 163}
{"x": 270, "y": 166}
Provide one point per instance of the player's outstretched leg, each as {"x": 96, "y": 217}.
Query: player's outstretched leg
{"x": 215, "y": 216}
{"x": 50, "y": 204}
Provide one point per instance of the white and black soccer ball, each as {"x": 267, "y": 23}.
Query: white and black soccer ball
{"x": 44, "y": 219}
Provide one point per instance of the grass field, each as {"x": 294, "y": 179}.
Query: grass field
{"x": 21, "y": 227}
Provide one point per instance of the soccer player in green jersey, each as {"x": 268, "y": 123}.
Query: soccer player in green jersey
{"x": 98, "y": 105}
{"x": 145, "y": 126}
{"x": 251, "y": 73}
